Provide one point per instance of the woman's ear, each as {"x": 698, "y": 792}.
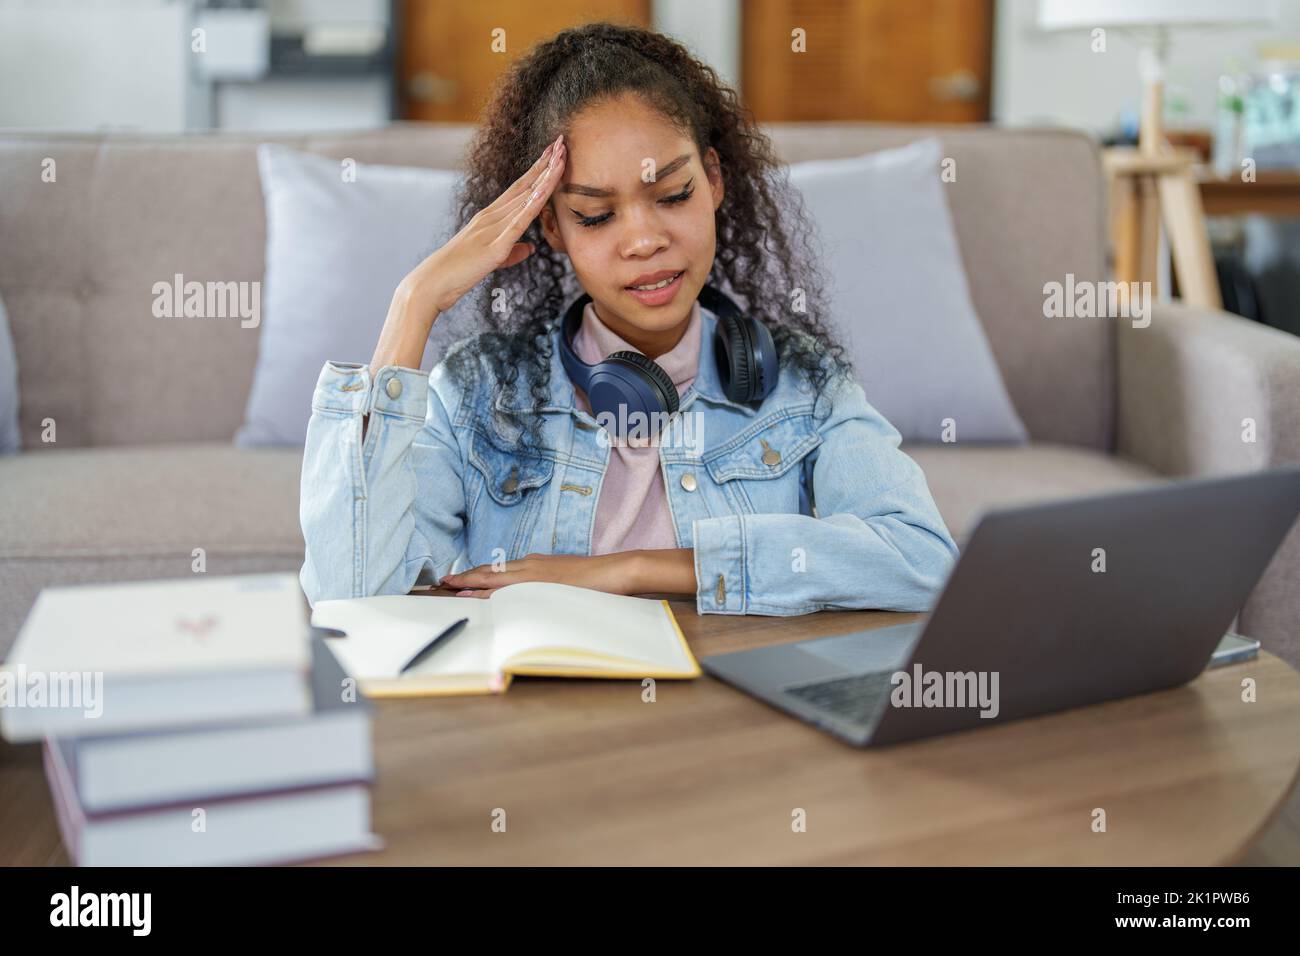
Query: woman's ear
{"x": 550, "y": 229}
{"x": 713, "y": 170}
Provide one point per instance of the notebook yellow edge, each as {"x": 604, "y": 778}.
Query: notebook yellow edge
{"x": 695, "y": 667}
{"x": 479, "y": 690}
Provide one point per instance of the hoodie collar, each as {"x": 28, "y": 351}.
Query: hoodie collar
{"x": 707, "y": 384}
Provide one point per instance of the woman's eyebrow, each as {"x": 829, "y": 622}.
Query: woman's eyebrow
{"x": 666, "y": 170}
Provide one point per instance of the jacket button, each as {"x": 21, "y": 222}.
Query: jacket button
{"x": 770, "y": 455}
{"x": 688, "y": 481}
{"x": 510, "y": 484}
{"x": 394, "y": 387}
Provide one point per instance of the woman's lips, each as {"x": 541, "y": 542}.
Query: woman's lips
{"x": 658, "y": 296}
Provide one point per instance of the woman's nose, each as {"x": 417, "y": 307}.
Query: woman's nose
{"x": 643, "y": 235}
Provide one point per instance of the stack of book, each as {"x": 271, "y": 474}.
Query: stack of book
{"x": 191, "y": 722}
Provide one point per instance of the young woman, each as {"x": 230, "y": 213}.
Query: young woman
{"x": 757, "y": 479}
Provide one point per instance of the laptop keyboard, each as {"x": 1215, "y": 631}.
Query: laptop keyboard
{"x": 855, "y": 698}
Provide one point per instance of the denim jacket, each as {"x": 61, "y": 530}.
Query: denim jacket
{"x": 787, "y": 514}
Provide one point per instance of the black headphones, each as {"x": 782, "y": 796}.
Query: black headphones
{"x": 743, "y": 349}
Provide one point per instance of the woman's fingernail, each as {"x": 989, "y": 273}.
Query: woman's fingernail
{"x": 465, "y": 593}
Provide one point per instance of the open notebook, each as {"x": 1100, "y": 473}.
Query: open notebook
{"x": 535, "y": 628}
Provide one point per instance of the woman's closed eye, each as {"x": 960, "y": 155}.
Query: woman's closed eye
{"x": 687, "y": 192}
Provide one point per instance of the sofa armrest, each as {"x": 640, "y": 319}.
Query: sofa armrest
{"x": 1190, "y": 380}
{"x": 1190, "y": 385}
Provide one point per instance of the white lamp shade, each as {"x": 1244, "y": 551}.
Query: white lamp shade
{"x": 1082, "y": 14}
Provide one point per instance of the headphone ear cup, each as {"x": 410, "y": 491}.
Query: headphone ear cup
{"x": 735, "y": 375}
{"x": 766, "y": 362}
{"x": 669, "y": 399}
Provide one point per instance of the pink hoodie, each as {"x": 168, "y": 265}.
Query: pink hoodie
{"x": 632, "y": 512}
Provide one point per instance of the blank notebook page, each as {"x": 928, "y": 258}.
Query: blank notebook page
{"x": 542, "y": 615}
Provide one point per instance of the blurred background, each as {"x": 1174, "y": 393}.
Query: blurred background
{"x": 1231, "y": 77}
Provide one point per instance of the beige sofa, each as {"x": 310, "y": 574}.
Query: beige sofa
{"x": 142, "y": 472}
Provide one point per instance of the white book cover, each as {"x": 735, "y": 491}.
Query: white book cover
{"x": 234, "y": 623}
{"x": 101, "y": 658}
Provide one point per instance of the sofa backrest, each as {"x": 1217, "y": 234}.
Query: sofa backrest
{"x": 79, "y": 258}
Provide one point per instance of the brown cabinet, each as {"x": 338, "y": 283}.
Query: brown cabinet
{"x": 452, "y": 52}
{"x": 919, "y": 61}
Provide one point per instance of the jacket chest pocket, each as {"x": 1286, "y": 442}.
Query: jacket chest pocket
{"x": 761, "y": 468}
{"x": 508, "y": 492}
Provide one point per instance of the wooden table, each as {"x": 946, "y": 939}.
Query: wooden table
{"x": 1275, "y": 192}
{"x": 587, "y": 773}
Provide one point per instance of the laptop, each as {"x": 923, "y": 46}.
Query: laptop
{"x": 1050, "y": 607}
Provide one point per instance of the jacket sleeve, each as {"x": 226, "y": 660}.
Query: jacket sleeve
{"x": 386, "y": 512}
{"x": 877, "y": 540}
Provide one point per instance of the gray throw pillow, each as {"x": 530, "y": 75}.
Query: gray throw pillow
{"x": 336, "y": 248}
{"x": 900, "y": 297}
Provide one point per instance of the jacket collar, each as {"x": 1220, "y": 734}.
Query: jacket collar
{"x": 707, "y": 384}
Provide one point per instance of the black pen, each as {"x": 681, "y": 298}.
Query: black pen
{"x": 428, "y": 649}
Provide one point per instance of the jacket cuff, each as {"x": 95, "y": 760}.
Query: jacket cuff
{"x": 346, "y": 387}
{"x": 401, "y": 391}
{"x": 342, "y": 387}
{"x": 720, "y": 552}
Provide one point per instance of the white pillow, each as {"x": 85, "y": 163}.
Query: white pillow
{"x": 335, "y": 252}
{"x": 898, "y": 294}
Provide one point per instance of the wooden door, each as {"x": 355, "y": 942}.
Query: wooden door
{"x": 451, "y": 52}
{"x": 923, "y": 61}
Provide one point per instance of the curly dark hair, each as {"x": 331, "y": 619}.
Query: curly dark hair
{"x": 765, "y": 246}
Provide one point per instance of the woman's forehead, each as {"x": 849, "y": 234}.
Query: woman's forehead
{"x": 623, "y": 155}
